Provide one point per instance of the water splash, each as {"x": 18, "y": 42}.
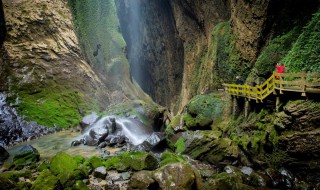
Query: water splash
{"x": 133, "y": 129}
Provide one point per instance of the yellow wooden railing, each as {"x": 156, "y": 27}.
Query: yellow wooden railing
{"x": 299, "y": 82}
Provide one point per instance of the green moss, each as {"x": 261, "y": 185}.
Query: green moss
{"x": 51, "y": 107}
{"x": 273, "y": 52}
{"x": 202, "y": 110}
{"x": 94, "y": 162}
{"x": 63, "y": 163}
{"x": 25, "y": 158}
{"x": 15, "y": 175}
{"x": 180, "y": 145}
{"x": 133, "y": 160}
{"x": 46, "y": 181}
{"x": 79, "y": 159}
{"x": 116, "y": 163}
{"x": 139, "y": 160}
{"x": 169, "y": 158}
{"x": 305, "y": 54}
{"x": 79, "y": 185}
{"x": 225, "y": 181}
{"x": 43, "y": 166}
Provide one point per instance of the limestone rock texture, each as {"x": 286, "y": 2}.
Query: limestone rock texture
{"x": 43, "y": 69}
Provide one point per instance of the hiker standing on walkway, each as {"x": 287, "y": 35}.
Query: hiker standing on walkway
{"x": 280, "y": 68}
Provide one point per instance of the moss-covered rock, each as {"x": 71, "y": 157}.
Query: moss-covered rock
{"x": 46, "y": 181}
{"x": 94, "y": 162}
{"x": 15, "y": 175}
{"x": 208, "y": 146}
{"x": 169, "y": 158}
{"x": 63, "y": 163}
{"x": 26, "y": 156}
{"x": 143, "y": 180}
{"x": 115, "y": 163}
{"x": 79, "y": 185}
{"x": 202, "y": 111}
{"x": 133, "y": 160}
{"x": 178, "y": 176}
{"x": 228, "y": 181}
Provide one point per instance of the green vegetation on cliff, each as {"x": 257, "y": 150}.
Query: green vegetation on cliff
{"x": 102, "y": 43}
{"x": 305, "y": 54}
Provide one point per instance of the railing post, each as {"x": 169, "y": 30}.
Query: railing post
{"x": 304, "y": 84}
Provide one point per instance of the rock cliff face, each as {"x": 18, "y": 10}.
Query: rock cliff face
{"x": 43, "y": 69}
{"x": 167, "y": 40}
{"x": 154, "y": 49}
{"x": 2, "y": 25}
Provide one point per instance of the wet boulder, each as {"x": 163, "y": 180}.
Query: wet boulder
{"x": 155, "y": 138}
{"x": 178, "y": 176}
{"x": 26, "y": 156}
{"x": 99, "y": 134}
{"x": 88, "y": 120}
{"x": 75, "y": 143}
{"x": 116, "y": 139}
{"x": 3, "y": 154}
{"x": 100, "y": 172}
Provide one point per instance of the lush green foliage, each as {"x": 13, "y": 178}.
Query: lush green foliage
{"x": 99, "y": 33}
{"x": 169, "y": 158}
{"x": 274, "y": 52}
{"x": 305, "y": 54}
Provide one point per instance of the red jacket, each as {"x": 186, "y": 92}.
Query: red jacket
{"x": 280, "y": 68}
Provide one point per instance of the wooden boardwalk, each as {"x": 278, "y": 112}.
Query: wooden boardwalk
{"x": 278, "y": 83}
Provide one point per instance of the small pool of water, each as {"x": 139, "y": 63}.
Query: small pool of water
{"x": 50, "y": 145}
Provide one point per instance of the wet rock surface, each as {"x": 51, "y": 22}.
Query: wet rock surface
{"x": 14, "y": 129}
{"x": 3, "y": 154}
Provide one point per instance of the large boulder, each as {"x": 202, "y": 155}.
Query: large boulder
{"x": 46, "y": 180}
{"x": 134, "y": 160}
{"x": 208, "y": 146}
{"x": 143, "y": 180}
{"x": 299, "y": 115}
{"x": 299, "y": 138}
{"x": 202, "y": 111}
{"x": 63, "y": 163}
{"x": 26, "y": 156}
{"x": 178, "y": 176}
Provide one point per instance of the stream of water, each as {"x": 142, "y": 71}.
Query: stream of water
{"x": 51, "y": 144}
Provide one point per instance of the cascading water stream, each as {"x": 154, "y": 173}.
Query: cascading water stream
{"x": 131, "y": 128}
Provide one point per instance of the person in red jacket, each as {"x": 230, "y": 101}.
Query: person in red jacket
{"x": 280, "y": 69}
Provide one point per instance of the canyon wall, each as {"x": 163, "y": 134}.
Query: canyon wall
{"x": 210, "y": 42}
{"x": 47, "y": 76}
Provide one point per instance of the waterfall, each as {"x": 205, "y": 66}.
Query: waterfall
{"x": 131, "y": 128}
